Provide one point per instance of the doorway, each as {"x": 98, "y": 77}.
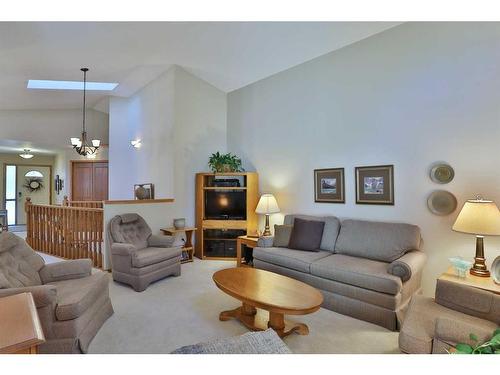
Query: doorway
{"x": 22, "y": 181}
{"x": 89, "y": 180}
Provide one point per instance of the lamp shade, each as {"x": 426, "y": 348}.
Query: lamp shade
{"x": 480, "y": 217}
{"x": 267, "y": 205}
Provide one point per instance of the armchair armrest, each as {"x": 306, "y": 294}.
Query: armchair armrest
{"x": 122, "y": 249}
{"x": 65, "y": 270}
{"x": 160, "y": 241}
{"x": 457, "y": 329}
{"x": 265, "y": 241}
{"x": 43, "y": 295}
{"x": 409, "y": 264}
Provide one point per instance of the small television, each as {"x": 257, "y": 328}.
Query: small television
{"x": 225, "y": 205}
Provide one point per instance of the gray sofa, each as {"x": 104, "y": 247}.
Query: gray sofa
{"x": 436, "y": 325}
{"x": 366, "y": 269}
{"x": 72, "y": 300}
{"x": 139, "y": 257}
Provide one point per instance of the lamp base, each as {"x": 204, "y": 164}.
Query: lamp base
{"x": 267, "y": 230}
{"x": 479, "y": 267}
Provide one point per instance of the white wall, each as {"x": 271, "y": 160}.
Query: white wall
{"x": 149, "y": 116}
{"x": 410, "y": 96}
{"x": 181, "y": 120}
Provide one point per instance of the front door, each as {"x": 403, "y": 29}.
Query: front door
{"x": 32, "y": 181}
{"x": 89, "y": 181}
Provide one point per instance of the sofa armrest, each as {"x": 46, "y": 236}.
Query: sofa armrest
{"x": 122, "y": 249}
{"x": 160, "y": 241}
{"x": 65, "y": 270}
{"x": 457, "y": 330}
{"x": 265, "y": 241}
{"x": 43, "y": 295}
{"x": 409, "y": 264}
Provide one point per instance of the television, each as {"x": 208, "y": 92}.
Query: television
{"x": 225, "y": 205}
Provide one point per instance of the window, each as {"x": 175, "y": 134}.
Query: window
{"x": 34, "y": 174}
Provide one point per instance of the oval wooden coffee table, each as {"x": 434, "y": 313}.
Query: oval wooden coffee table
{"x": 261, "y": 291}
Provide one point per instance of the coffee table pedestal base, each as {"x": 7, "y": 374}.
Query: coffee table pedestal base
{"x": 260, "y": 320}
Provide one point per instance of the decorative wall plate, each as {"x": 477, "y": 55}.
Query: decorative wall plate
{"x": 495, "y": 270}
{"x": 442, "y": 173}
{"x": 442, "y": 202}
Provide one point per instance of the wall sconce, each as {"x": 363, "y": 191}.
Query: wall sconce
{"x": 136, "y": 143}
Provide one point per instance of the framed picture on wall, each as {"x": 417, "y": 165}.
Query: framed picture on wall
{"x": 375, "y": 185}
{"x": 329, "y": 185}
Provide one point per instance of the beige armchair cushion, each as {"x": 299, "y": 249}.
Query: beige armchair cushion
{"x": 70, "y": 269}
{"x": 469, "y": 300}
{"x": 19, "y": 264}
{"x": 75, "y": 296}
{"x": 130, "y": 228}
{"x": 152, "y": 255}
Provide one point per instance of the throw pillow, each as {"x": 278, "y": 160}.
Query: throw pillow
{"x": 282, "y": 235}
{"x": 306, "y": 235}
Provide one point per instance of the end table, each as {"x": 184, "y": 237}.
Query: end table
{"x": 485, "y": 283}
{"x": 20, "y": 328}
{"x": 188, "y": 245}
{"x": 250, "y": 242}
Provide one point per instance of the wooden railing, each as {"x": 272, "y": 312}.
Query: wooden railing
{"x": 87, "y": 204}
{"x": 65, "y": 231}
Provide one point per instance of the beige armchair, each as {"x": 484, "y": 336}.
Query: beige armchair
{"x": 436, "y": 325}
{"x": 72, "y": 300}
{"x": 137, "y": 256}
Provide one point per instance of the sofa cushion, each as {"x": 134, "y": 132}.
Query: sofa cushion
{"x": 282, "y": 235}
{"x": 306, "y": 235}
{"x": 75, "y": 296}
{"x": 19, "y": 263}
{"x": 330, "y": 231}
{"x": 377, "y": 240}
{"x": 152, "y": 255}
{"x": 295, "y": 259}
{"x": 365, "y": 273}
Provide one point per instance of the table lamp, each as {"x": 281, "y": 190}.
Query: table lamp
{"x": 267, "y": 205}
{"x": 482, "y": 218}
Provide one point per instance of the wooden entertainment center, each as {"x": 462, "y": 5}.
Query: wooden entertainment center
{"x": 225, "y": 210}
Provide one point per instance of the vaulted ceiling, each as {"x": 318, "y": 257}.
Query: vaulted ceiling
{"x": 227, "y": 55}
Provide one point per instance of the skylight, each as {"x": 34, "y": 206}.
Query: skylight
{"x": 70, "y": 85}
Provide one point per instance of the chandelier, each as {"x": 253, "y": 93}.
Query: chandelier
{"x": 81, "y": 145}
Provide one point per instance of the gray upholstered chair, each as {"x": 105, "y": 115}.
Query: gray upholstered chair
{"x": 434, "y": 325}
{"x": 72, "y": 300}
{"x": 139, "y": 257}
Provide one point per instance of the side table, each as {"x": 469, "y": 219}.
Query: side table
{"x": 20, "y": 328}
{"x": 485, "y": 283}
{"x": 250, "y": 242}
{"x": 187, "y": 249}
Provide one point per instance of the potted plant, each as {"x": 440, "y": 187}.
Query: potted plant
{"x": 492, "y": 346}
{"x": 224, "y": 163}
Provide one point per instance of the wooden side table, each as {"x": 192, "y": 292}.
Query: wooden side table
{"x": 188, "y": 245}
{"x": 20, "y": 328}
{"x": 485, "y": 283}
{"x": 250, "y": 242}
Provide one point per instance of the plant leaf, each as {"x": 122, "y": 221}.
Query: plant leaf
{"x": 473, "y": 337}
{"x": 496, "y": 332}
{"x": 495, "y": 340}
{"x": 464, "y": 349}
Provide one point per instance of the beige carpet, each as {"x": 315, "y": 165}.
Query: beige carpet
{"x": 184, "y": 310}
